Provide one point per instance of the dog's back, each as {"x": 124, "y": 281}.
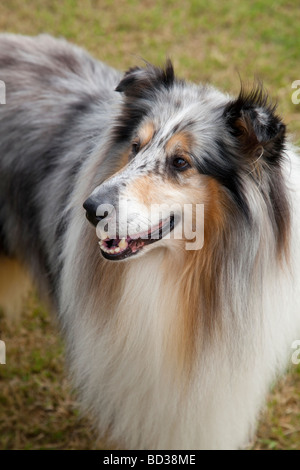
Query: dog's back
{"x": 56, "y": 95}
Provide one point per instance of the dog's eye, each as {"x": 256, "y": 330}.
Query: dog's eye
{"x": 135, "y": 147}
{"x": 180, "y": 164}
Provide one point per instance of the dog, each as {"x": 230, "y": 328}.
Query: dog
{"x": 169, "y": 346}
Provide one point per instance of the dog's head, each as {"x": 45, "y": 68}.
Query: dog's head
{"x": 181, "y": 147}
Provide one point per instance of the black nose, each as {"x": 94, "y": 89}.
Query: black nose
{"x": 91, "y": 205}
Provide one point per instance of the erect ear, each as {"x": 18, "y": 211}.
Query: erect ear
{"x": 252, "y": 120}
{"x": 137, "y": 82}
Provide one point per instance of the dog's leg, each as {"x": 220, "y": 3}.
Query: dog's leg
{"x": 14, "y": 285}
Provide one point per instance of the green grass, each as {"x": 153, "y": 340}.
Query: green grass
{"x": 207, "y": 41}
{"x": 37, "y": 408}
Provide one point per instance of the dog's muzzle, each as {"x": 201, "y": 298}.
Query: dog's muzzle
{"x": 123, "y": 244}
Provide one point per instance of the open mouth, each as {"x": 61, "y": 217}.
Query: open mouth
{"x": 121, "y": 248}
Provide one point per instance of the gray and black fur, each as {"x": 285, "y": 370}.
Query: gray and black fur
{"x": 58, "y": 109}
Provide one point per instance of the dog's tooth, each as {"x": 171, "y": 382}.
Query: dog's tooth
{"x": 111, "y": 251}
{"x": 123, "y": 244}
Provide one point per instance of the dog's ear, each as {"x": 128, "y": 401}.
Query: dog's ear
{"x": 258, "y": 131}
{"x": 138, "y": 82}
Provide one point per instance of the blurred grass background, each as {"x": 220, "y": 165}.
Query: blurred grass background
{"x": 207, "y": 41}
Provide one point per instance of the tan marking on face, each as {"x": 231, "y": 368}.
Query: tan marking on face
{"x": 179, "y": 142}
{"x": 146, "y": 133}
{"x": 149, "y": 189}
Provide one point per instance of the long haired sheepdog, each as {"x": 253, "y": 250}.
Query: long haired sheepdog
{"x": 161, "y": 221}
